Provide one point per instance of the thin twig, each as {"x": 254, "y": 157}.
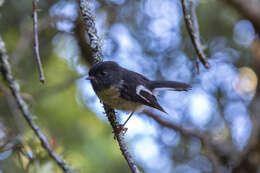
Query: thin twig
{"x": 27, "y": 36}
{"x": 14, "y": 87}
{"x": 196, "y": 29}
{"x": 204, "y": 139}
{"x": 12, "y": 139}
{"x": 98, "y": 56}
{"x": 191, "y": 24}
{"x": 197, "y": 64}
{"x": 36, "y": 41}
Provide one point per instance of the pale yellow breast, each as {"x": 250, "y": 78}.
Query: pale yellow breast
{"x": 112, "y": 98}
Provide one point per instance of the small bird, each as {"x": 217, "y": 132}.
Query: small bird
{"x": 127, "y": 90}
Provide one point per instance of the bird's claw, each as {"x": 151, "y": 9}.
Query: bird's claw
{"x": 120, "y": 129}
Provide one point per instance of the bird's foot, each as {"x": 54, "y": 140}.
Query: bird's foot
{"x": 120, "y": 130}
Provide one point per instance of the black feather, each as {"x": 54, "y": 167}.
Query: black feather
{"x": 128, "y": 90}
{"x": 133, "y": 87}
{"x": 152, "y": 101}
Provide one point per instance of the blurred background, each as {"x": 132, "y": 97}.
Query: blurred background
{"x": 149, "y": 37}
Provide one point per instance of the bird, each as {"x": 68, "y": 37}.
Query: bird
{"x": 127, "y": 90}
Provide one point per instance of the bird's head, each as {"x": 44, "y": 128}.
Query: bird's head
{"x": 103, "y": 75}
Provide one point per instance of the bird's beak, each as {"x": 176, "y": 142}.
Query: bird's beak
{"x": 90, "y": 78}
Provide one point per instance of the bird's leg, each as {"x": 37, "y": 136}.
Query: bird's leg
{"x": 128, "y": 118}
{"x": 121, "y": 128}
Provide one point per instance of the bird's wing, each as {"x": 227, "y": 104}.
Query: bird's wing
{"x": 133, "y": 88}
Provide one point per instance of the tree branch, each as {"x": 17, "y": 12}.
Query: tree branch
{"x": 80, "y": 34}
{"x": 204, "y": 139}
{"x": 91, "y": 30}
{"x": 14, "y": 87}
{"x": 120, "y": 138}
{"x": 98, "y": 57}
{"x": 192, "y": 27}
{"x": 36, "y": 41}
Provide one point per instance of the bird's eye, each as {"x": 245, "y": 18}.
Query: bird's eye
{"x": 103, "y": 73}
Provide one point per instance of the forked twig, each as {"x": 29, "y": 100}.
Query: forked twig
{"x": 192, "y": 27}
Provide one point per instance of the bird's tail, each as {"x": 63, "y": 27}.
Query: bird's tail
{"x": 169, "y": 85}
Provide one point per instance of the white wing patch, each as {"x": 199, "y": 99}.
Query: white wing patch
{"x": 140, "y": 88}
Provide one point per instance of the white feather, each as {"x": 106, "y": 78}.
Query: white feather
{"x": 140, "y": 88}
{"x": 157, "y": 90}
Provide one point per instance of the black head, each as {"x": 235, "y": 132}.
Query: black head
{"x": 104, "y": 74}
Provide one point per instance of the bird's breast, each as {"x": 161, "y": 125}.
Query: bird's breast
{"x": 111, "y": 97}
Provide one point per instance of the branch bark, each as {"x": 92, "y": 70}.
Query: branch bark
{"x": 14, "y": 87}
{"x": 97, "y": 55}
{"x": 91, "y": 30}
